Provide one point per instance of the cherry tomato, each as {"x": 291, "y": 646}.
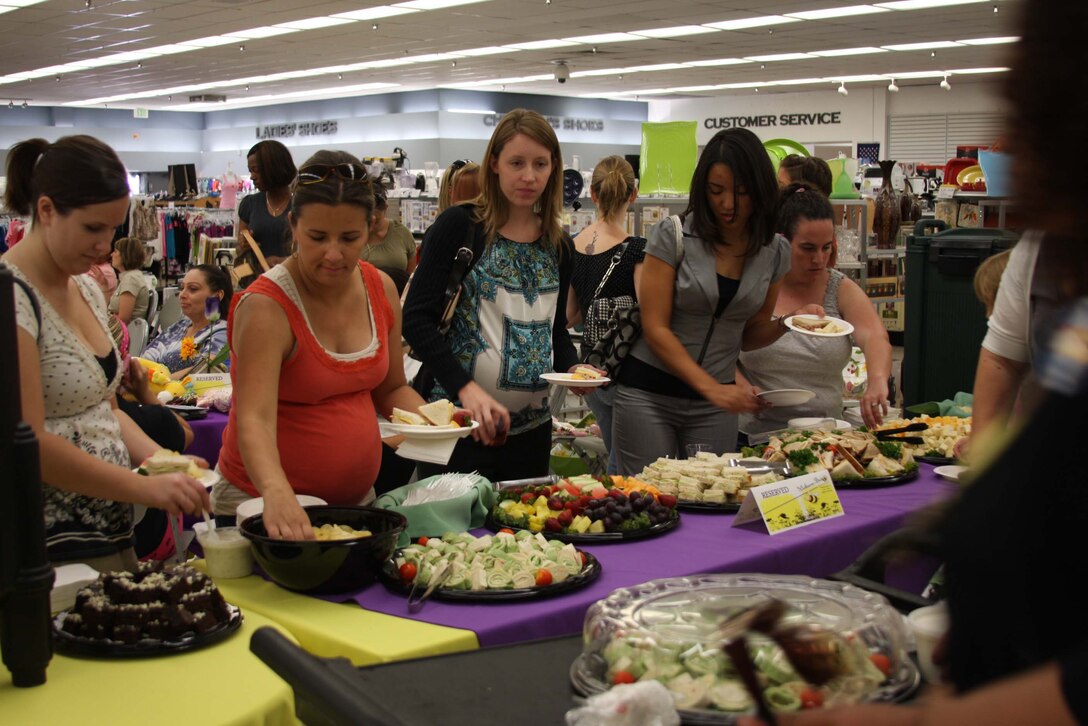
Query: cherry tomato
{"x": 811, "y": 698}
{"x": 507, "y": 530}
{"x": 543, "y": 577}
{"x": 424, "y": 540}
{"x": 408, "y": 571}
{"x": 622, "y": 677}
{"x": 583, "y": 556}
{"x": 882, "y": 662}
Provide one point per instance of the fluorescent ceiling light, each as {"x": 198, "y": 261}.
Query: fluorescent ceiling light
{"x": 604, "y": 38}
{"x": 655, "y": 67}
{"x": 266, "y": 31}
{"x": 922, "y": 46}
{"x": 866, "y": 78}
{"x": 277, "y": 97}
{"x": 500, "y": 81}
{"x": 674, "y": 32}
{"x": 797, "y": 82}
{"x": 133, "y": 55}
{"x": 22, "y": 3}
{"x": 542, "y": 44}
{"x": 209, "y": 42}
{"x": 600, "y": 72}
{"x": 486, "y": 50}
{"x": 778, "y": 57}
{"x": 837, "y": 12}
{"x": 847, "y": 51}
{"x": 381, "y": 11}
{"x": 923, "y": 4}
{"x": 170, "y": 49}
{"x": 759, "y": 22}
{"x": 435, "y": 4}
{"x": 314, "y": 23}
{"x": 752, "y": 84}
{"x": 717, "y": 62}
{"x": 964, "y": 71}
{"x": 482, "y": 111}
{"x": 915, "y": 74}
{"x": 692, "y": 89}
{"x": 990, "y": 41}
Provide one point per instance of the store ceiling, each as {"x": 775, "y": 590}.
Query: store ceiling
{"x": 43, "y": 46}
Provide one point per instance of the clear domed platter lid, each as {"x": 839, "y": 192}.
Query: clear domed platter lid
{"x": 665, "y": 629}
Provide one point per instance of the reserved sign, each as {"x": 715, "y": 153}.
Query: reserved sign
{"x": 791, "y": 503}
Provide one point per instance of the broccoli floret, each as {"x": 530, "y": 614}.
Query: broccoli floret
{"x": 890, "y": 450}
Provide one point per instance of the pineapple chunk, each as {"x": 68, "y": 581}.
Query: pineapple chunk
{"x": 596, "y": 527}
{"x": 581, "y": 524}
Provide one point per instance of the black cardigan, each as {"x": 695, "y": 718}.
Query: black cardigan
{"x": 423, "y": 306}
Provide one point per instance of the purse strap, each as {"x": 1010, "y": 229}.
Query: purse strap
{"x": 608, "y": 273}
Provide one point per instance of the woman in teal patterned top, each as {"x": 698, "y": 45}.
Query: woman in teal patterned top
{"x": 510, "y": 324}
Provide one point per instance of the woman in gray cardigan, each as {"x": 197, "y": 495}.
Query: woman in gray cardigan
{"x": 703, "y": 299}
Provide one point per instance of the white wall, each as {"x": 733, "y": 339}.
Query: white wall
{"x": 863, "y": 113}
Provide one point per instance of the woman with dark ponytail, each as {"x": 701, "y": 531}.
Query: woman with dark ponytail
{"x": 76, "y": 191}
{"x": 804, "y": 217}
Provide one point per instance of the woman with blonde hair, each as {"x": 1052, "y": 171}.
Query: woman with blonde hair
{"x": 460, "y": 183}
{"x": 132, "y": 296}
{"x": 607, "y": 266}
{"x": 510, "y": 325}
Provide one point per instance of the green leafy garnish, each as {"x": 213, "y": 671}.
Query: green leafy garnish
{"x": 890, "y": 450}
{"x": 800, "y": 460}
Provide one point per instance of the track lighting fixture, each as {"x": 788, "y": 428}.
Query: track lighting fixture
{"x": 11, "y": 104}
{"x": 241, "y": 49}
{"x": 945, "y": 84}
{"x": 842, "y": 88}
{"x": 892, "y": 88}
{"x": 26, "y": 105}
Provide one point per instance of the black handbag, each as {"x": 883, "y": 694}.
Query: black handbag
{"x": 463, "y": 260}
{"x": 601, "y": 310}
{"x": 625, "y": 322}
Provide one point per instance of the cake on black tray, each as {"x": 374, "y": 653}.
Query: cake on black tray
{"x": 155, "y": 602}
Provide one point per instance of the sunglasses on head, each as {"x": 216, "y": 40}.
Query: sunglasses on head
{"x": 460, "y": 163}
{"x": 320, "y": 172}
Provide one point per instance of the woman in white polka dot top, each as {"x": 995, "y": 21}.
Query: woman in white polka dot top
{"x": 76, "y": 190}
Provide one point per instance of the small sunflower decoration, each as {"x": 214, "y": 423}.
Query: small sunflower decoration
{"x": 188, "y": 348}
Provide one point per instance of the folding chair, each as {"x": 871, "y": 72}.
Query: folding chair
{"x": 242, "y": 270}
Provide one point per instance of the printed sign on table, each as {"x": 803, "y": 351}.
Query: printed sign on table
{"x": 791, "y": 503}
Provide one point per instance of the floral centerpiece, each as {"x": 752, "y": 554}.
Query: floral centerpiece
{"x": 203, "y": 360}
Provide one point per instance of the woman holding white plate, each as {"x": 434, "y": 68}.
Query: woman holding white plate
{"x": 815, "y": 362}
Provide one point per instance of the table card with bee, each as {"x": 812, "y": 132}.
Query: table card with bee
{"x": 791, "y": 503}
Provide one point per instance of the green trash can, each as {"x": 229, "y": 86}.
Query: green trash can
{"x": 945, "y": 322}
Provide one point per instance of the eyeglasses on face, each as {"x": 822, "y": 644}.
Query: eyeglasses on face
{"x": 460, "y": 163}
{"x": 317, "y": 173}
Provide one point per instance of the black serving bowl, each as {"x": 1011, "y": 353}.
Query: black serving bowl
{"x": 324, "y": 567}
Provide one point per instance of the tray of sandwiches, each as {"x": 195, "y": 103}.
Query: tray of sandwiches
{"x": 853, "y": 458}
{"x": 711, "y": 482}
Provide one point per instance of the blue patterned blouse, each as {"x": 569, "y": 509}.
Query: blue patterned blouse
{"x": 502, "y": 330}
{"x": 166, "y": 348}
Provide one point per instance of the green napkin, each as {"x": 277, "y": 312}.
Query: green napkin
{"x": 959, "y": 406}
{"x": 432, "y": 519}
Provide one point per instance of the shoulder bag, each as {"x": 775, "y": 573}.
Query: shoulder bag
{"x": 624, "y": 324}
{"x": 463, "y": 260}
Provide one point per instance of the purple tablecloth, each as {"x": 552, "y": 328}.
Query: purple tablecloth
{"x": 208, "y": 436}
{"x": 703, "y": 543}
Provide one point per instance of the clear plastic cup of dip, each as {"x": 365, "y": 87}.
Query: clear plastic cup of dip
{"x": 226, "y": 552}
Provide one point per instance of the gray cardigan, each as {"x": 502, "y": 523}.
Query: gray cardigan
{"x": 695, "y": 297}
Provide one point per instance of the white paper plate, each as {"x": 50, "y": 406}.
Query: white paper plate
{"x": 207, "y": 477}
{"x": 845, "y": 327}
{"x": 256, "y": 506}
{"x": 787, "y": 396}
{"x": 568, "y": 379}
{"x": 951, "y": 472}
{"x": 431, "y": 432}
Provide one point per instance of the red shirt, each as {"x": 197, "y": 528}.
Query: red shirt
{"x": 326, "y": 424}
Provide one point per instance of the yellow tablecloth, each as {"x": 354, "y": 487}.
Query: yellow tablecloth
{"x": 221, "y": 684}
{"x": 343, "y": 630}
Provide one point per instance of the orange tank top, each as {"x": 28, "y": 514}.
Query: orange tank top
{"x": 326, "y": 424}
